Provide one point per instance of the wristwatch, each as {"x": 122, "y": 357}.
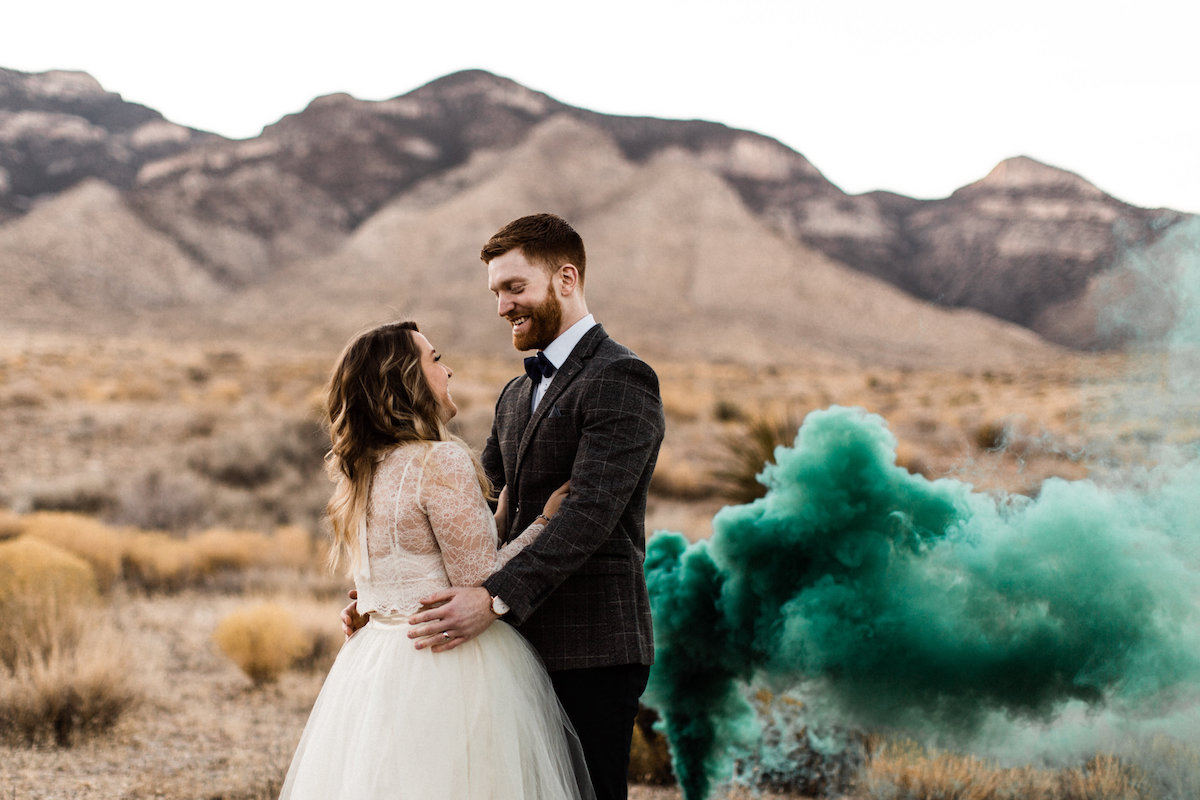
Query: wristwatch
{"x": 499, "y": 607}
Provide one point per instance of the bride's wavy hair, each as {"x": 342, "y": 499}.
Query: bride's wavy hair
{"x": 377, "y": 398}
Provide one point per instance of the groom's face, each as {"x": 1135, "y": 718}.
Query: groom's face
{"x": 526, "y": 299}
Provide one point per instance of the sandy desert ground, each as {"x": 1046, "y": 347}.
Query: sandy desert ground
{"x": 86, "y": 422}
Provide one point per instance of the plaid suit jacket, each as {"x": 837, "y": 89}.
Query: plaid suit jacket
{"x": 578, "y": 593}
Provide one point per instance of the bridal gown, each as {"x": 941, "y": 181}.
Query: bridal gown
{"x": 391, "y": 722}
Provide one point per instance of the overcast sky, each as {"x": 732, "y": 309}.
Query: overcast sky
{"x": 915, "y": 97}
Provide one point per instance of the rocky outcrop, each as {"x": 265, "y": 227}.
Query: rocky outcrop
{"x": 60, "y": 128}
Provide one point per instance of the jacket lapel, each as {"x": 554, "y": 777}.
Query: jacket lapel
{"x": 562, "y": 379}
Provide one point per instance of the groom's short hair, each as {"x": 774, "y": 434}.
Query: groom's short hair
{"x": 545, "y": 239}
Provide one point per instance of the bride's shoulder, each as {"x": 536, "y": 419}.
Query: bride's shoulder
{"x": 450, "y": 454}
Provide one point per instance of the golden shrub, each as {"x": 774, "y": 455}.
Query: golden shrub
{"x": 154, "y": 561}
{"x": 264, "y": 641}
{"x": 32, "y": 567}
{"x": 83, "y": 536}
{"x": 292, "y": 546}
{"x": 40, "y": 588}
{"x": 649, "y": 759}
{"x": 221, "y": 549}
{"x": 11, "y": 524}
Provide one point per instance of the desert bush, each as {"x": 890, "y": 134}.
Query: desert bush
{"x": 11, "y": 524}
{"x": 40, "y": 588}
{"x": 992, "y": 435}
{"x": 1168, "y": 769}
{"x": 728, "y": 411}
{"x": 251, "y": 458}
{"x": 86, "y": 537}
{"x": 153, "y": 561}
{"x": 221, "y": 549}
{"x": 649, "y": 758}
{"x": 83, "y": 494}
{"x": 746, "y": 452}
{"x": 322, "y": 634}
{"x": 292, "y": 546}
{"x": 162, "y": 501}
{"x": 75, "y": 689}
{"x": 63, "y": 671}
{"x": 264, "y": 641}
{"x": 1104, "y": 777}
{"x": 903, "y": 770}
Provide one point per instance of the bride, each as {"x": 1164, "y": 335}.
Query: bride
{"x": 409, "y": 516}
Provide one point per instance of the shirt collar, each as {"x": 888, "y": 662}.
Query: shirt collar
{"x": 558, "y": 350}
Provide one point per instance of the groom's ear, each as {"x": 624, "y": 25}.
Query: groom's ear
{"x": 568, "y": 277}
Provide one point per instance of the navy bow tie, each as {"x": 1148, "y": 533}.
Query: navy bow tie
{"x": 537, "y": 367}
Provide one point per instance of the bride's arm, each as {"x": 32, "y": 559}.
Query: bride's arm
{"x": 461, "y": 521}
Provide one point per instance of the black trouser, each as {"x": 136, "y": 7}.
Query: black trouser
{"x": 601, "y": 703}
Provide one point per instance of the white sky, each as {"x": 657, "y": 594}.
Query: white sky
{"x": 916, "y": 97}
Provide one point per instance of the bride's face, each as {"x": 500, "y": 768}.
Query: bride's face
{"x": 437, "y": 375}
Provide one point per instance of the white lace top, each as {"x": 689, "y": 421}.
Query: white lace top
{"x": 427, "y": 528}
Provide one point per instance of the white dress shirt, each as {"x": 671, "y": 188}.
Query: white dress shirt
{"x": 558, "y": 351}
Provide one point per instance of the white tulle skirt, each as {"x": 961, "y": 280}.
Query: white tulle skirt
{"x": 478, "y": 721}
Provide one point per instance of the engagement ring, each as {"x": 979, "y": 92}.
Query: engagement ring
{"x": 446, "y": 635}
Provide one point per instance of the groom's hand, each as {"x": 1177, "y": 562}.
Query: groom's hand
{"x": 463, "y": 612}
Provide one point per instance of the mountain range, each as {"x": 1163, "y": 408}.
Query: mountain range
{"x": 703, "y": 241}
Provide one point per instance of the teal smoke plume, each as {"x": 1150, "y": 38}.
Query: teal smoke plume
{"x": 887, "y": 601}
{"x": 896, "y": 602}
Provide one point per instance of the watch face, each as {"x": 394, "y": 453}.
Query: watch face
{"x": 499, "y": 606}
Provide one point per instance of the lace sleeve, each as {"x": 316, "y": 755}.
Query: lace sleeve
{"x": 461, "y": 521}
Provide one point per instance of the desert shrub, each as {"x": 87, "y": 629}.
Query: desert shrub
{"x": 162, "y": 501}
{"x": 221, "y": 549}
{"x": 75, "y": 689}
{"x": 264, "y": 641}
{"x": 903, "y": 770}
{"x": 322, "y": 634}
{"x": 153, "y": 561}
{"x": 292, "y": 546}
{"x": 40, "y": 588}
{"x": 83, "y": 494}
{"x": 728, "y": 411}
{"x": 1104, "y": 777}
{"x": 745, "y": 454}
{"x": 11, "y": 524}
{"x": 251, "y": 458}
{"x": 1169, "y": 769}
{"x": 88, "y": 538}
{"x": 63, "y": 671}
{"x": 649, "y": 758}
{"x": 991, "y": 435}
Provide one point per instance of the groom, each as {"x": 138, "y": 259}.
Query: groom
{"x": 589, "y": 410}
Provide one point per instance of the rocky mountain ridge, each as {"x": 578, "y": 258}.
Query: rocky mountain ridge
{"x": 1023, "y": 244}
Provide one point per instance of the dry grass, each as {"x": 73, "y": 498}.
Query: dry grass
{"x": 81, "y": 686}
{"x": 264, "y": 641}
{"x": 63, "y": 671}
{"x": 93, "y": 541}
{"x": 904, "y": 772}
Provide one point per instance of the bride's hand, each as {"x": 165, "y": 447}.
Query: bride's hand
{"x": 352, "y": 621}
{"x": 556, "y": 499}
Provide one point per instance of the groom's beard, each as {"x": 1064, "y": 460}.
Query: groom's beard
{"x": 544, "y": 321}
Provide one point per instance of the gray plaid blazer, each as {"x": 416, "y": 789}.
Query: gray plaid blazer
{"x": 578, "y": 593}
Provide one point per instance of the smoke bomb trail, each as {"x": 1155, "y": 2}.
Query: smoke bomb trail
{"x": 899, "y": 603}
{"x": 889, "y": 602}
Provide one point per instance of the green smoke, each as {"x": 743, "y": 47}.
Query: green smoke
{"x": 890, "y": 601}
